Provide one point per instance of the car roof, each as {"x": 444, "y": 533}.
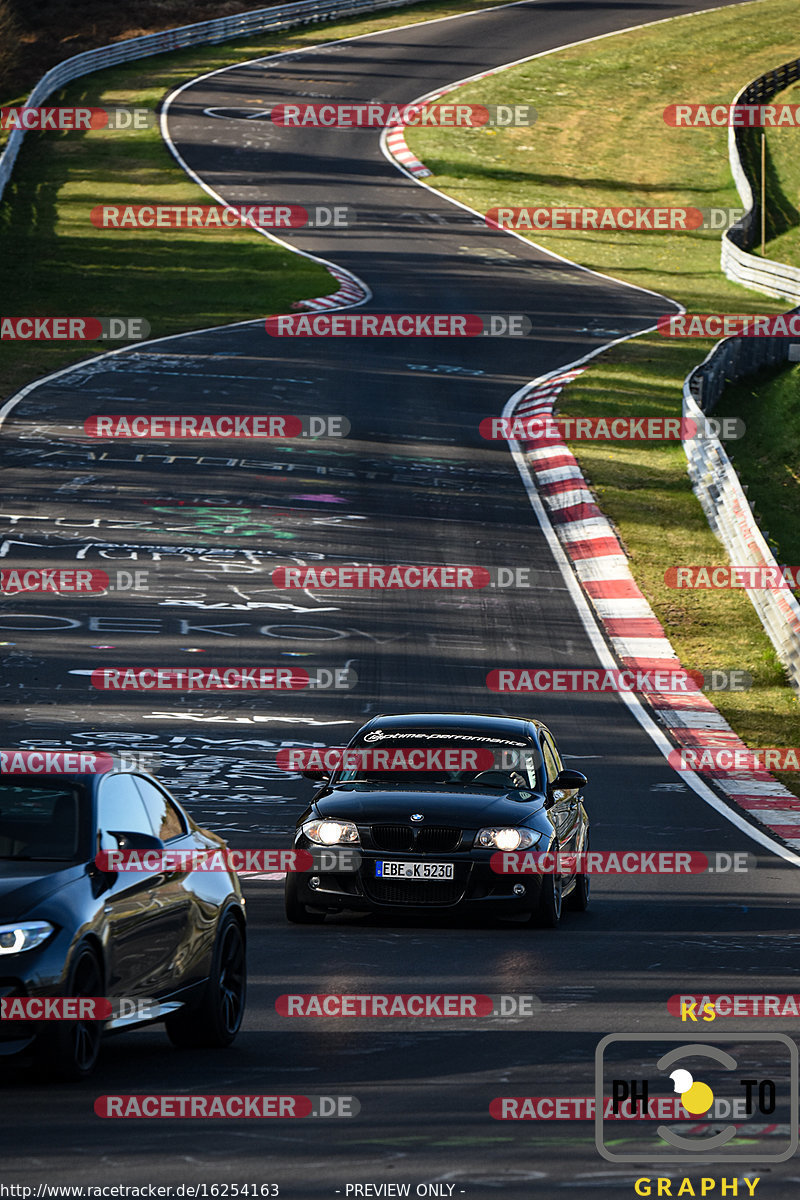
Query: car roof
{"x": 84, "y": 777}
{"x": 514, "y": 727}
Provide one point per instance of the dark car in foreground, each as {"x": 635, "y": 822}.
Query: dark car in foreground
{"x": 425, "y": 837}
{"x": 170, "y": 942}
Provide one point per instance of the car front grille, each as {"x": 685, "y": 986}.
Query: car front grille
{"x": 431, "y": 838}
{"x": 413, "y": 892}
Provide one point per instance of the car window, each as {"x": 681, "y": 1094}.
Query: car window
{"x": 556, "y": 754}
{"x": 407, "y": 758}
{"x": 167, "y": 822}
{"x": 38, "y": 822}
{"x": 121, "y": 809}
{"x": 551, "y": 758}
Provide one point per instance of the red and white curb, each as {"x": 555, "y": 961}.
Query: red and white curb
{"x": 395, "y": 141}
{"x": 351, "y": 291}
{"x": 632, "y": 628}
{"x": 394, "y": 138}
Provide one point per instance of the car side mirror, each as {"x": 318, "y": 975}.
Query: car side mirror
{"x": 565, "y": 785}
{"x": 103, "y": 872}
{"x": 136, "y": 841}
{"x": 315, "y": 773}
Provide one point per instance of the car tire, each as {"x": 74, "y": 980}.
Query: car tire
{"x": 578, "y": 899}
{"x": 215, "y": 1020}
{"x": 69, "y": 1051}
{"x": 296, "y": 911}
{"x": 547, "y": 914}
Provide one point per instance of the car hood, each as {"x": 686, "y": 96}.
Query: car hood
{"x": 479, "y": 806}
{"x": 25, "y": 884}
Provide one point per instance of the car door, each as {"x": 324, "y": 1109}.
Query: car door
{"x": 180, "y": 924}
{"x": 565, "y": 809}
{"x": 131, "y": 911}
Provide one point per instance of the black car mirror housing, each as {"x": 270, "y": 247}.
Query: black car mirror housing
{"x": 565, "y": 784}
{"x": 127, "y": 840}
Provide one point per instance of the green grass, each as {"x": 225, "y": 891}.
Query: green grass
{"x": 57, "y": 264}
{"x": 783, "y": 185}
{"x": 768, "y": 459}
{"x": 600, "y": 140}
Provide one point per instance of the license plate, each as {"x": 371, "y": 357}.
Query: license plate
{"x": 391, "y": 869}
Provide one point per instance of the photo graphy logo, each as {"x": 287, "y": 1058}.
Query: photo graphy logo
{"x": 747, "y": 1076}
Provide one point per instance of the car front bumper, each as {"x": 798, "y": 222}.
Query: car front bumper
{"x": 474, "y": 887}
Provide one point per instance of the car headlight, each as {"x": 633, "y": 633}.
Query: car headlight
{"x": 507, "y": 837}
{"x": 330, "y": 832}
{"x": 23, "y": 936}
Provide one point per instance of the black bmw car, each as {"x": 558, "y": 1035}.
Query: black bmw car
{"x": 68, "y": 928}
{"x": 427, "y": 800}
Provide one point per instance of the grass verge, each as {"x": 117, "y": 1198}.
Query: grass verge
{"x": 600, "y": 140}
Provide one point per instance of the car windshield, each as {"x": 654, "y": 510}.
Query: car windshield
{"x": 38, "y": 821}
{"x": 440, "y": 760}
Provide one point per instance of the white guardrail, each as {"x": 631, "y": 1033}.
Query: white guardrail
{"x": 715, "y": 482}
{"x": 751, "y": 271}
{"x": 719, "y": 490}
{"x": 221, "y": 29}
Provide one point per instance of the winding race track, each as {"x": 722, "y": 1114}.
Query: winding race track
{"x": 413, "y": 482}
